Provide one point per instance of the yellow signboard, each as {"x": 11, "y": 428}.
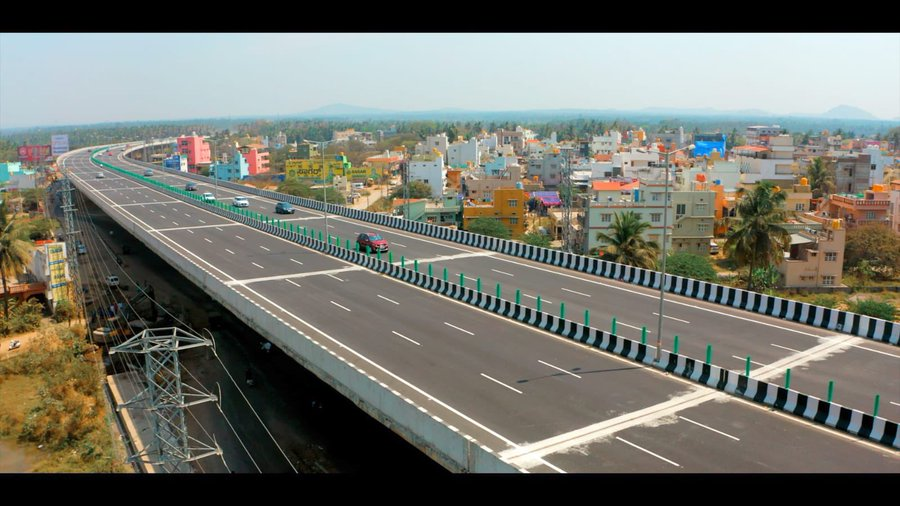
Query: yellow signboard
{"x": 59, "y": 271}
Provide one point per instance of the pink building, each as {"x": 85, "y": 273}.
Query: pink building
{"x": 257, "y": 160}
{"x": 196, "y": 150}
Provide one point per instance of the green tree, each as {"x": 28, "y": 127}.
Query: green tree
{"x": 31, "y": 198}
{"x": 489, "y": 226}
{"x": 64, "y": 311}
{"x": 417, "y": 190}
{"x": 15, "y": 254}
{"x": 821, "y": 178}
{"x": 877, "y": 246}
{"x": 627, "y": 246}
{"x": 757, "y": 238}
{"x": 535, "y": 239}
{"x": 878, "y": 309}
{"x": 40, "y": 228}
{"x": 691, "y": 266}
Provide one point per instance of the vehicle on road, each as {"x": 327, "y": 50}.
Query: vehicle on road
{"x": 80, "y": 248}
{"x": 112, "y": 280}
{"x": 713, "y": 247}
{"x": 100, "y": 175}
{"x": 284, "y": 208}
{"x": 148, "y": 172}
{"x": 240, "y": 201}
{"x": 372, "y": 242}
{"x": 358, "y": 186}
{"x": 191, "y": 187}
{"x": 208, "y": 197}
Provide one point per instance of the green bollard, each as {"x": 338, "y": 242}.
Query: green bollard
{"x": 445, "y": 274}
{"x": 562, "y": 310}
{"x": 498, "y": 290}
{"x": 430, "y": 270}
{"x": 391, "y": 256}
{"x": 518, "y": 296}
{"x": 747, "y": 367}
{"x": 378, "y": 255}
{"x": 462, "y": 279}
{"x": 708, "y": 353}
{"x": 478, "y": 285}
{"x": 348, "y": 244}
{"x": 402, "y": 262}
{"x": 875, "y": 409}
{"x": 830, "y": 390}
{"x": 612, "y": 329}
{"x": 292, "y": 228}
{"x": 320, "y": 236}
{"x": 539, "y": 303}
{"x": 357, "y": 247}
{"x": 416, "y": 265}
{"x": 787, "y": 379}
{"x": 643, "y": 335}
{"x": 675, "y": 346}
{"x": 587, "y": 318}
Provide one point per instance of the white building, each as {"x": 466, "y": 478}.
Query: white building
{"x": 464, "y": 153}
{"x": 878, "y": 161}
{"x": 606, "y": 144}
{"x": 638, "y": 163}
{"x": 757, "y": 134}
{"x": 429, "y": 169}
{"x": 439, "y": 142}
{"x": 774, "y": 162}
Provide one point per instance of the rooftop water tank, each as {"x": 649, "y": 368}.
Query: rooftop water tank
{"x": 804, "y": 181}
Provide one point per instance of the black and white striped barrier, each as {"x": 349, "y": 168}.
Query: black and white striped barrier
{"x": 801, "y": 312}
{"x": 833, "y": 415}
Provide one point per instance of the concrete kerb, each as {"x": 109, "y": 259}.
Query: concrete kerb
{"x": 710, "y": 375}
{"x": 862, "y": 326}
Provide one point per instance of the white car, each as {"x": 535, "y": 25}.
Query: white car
{"x": 208, "y": 197}
{"x": 112, "y": 280}
{"x": 240, "y": 202}
{"x": 100, "y": 175}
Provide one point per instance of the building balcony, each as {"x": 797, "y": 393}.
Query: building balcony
{"x": 852, "y": 201}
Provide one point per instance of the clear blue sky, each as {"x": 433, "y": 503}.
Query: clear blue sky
{"x": 53, "y": 79}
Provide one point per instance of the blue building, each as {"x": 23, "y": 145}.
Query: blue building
{"x": 237, "y": 169}
{"x": 704, "y": 144}
{"x": 7, "y": 169}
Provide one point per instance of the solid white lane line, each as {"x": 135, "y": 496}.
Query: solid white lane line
{"x": 244, "y": 282}
{"x": 396, "y": 244}
{"x": 340, "y": 306}
{"x": 647, "y": 451}
{"x": 295, "y": 284}
{"x": 241, "y": 238}
{"x": 389, "y": 300}
{"x": 501, "y": 272}
{"x": 335, "y": 277}
{"x": 632, "y": 326}
{"x": 459, "y": 329}
{"x": 744, "y": 359}
{"x": 207, "y": 240}
{"x": 708, "y": 427}
{"x": 672, "y": 318}
{"x": 894, "y": 403}
{"x": 256, "y": 264}
{"x": 265, "y": 248}
{"x": 502, "y": 384}
{"x": 404, "y": 337}
{"x": 535, "y": 298}
{"x": 875, "y": 351}
{"x": 228, "y": 250}
{"x": 577, "y": 293}
{"x": 559, "y": 369}
{"x": 296, "y": 261}
{"x": 786, "y": 348}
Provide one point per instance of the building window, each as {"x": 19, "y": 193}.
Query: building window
{"x": 703, "y": 228}
{"x": 654, "y": 197}
{"x": 680, "y": 209}
{"x": 831, "y": 256}
{"x": 425, "y": 181}
{"x": 514, "y": 221}
{"x": 655, "y": 217}
{"x": 798, "y": 207}
{"x": 827, "y": 280}
{"x": 606, "y": 218}
{"x": 512, "y": 203}
{"x": 870, "y": 215}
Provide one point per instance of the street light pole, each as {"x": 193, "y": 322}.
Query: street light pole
{"x": 662, "y": 272}
{"x": 325, "y": 190}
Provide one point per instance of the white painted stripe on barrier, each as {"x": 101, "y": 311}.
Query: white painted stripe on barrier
{"x": 752, "y": 386}
{"x": 834, "y": 413}
{"x": 833, "y": 319}
{"x": 804, "y": 312}
{"x": 731, "y": 382}
{"x": 698, "y": 368}
{"x": 856, "y": 418}
{"x": 771, "y": 394}
{"x": 879, "y": 327}
{"x": 812, "y": 407}
{"x": 701, "y": 294}
{"x": 877, "y": 429}
{"x": 620, "y": 345}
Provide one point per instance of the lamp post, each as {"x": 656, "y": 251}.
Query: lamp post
{"x": 322, "y": 145}
{"x": 214, "y": 170}
{"x": 662, "y": 272}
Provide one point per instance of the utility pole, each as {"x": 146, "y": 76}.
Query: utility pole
{"x": 406, "y": 187}
{"x": 567, "y": 205}
{"x": 71, "y": 249}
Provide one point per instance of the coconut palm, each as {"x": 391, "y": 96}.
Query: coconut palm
{"x": 627, "y": 246}
{"x": 821, "y": 178}
{"x": 757, "y": 238}
{"x": 15, "y": 253}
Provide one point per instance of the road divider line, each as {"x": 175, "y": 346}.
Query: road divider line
{"x": 745, "y": 358}
{"x": 875, "y": 351}
{"x": 559, "y": 369}
{"x": 577, "y": 293}
{"x": 660, "y": 457}
{"x": 404, "y": 337}
{"x": 295, "y": 284}
{"x": 201, "y": 221}
{"x": 672, "y": 318}
{"x": 708, "y": 427}
{"x": 190, "y": 231}
{"x": 459, "y": 329}
{"x": 207, "y": 240}
{"x": 533, "y": 297}
{"x": 340, "y": 306}
{"x": 241, "y": 238}
{"x": 501, "y": 272}
{"x": 786, "y": 348}
{"x": 389, "y": 300}
{"x": 633, "y": 327}
{"x": 502, "y": 384}
{"x": 398, "y": 244}
{"x": 335, "y": 277}
{"x": 228, "y": 250}
{"x": 296, "y": 261}
{"x": 256, "y": 264}
{"x": 265, "y": 248}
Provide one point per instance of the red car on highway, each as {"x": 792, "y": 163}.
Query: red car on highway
{"x": 372, "y": 242}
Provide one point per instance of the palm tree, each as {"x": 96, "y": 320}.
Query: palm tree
{"x": 821, "y": 178}
{"x": 626, "y": 244}
{"x": 15, "y": 253}
{"x": 758, "y": 239}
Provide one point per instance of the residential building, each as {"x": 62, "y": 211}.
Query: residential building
{"x": 774, "y": 162}
{"x": 672, "y": 139}
{"x": 535, "y": 147}
{"x": 196, "y": 149}
{"x": 463, "y": 154}
{"x": 350, "y": 134}
{"x": 605, "y": 144}
{"x": 705, "y": 144}
{"x": 14, "y": 177}
{"x": 816, "y": 255}
{"x": 798, "y": 197}
{"x": 49, "y": 267}
{"x": 280, "y": 140}
{"x": 695, "y": 220}
{"x": 488, "y": 141}
{"x": 760, "y": 134}
{"x": 444, "y": 213}
{"x": 852, "y": 171}
{"x": 439, "y": 142}
{"x": 547, "y": 168}
{"x": 237, "y": 169}
{"x": 638, "y": 163}
{"x": 619, "y": 190}
{"x": 646, "y": 201}
{"x": 7, "y": 169}
{"x": 508, "y": 206}
{"x": 871, "y": 207}
{"x": 514, "y": 138}
{"x": 386, "y": 163}
{"x": 498, "y": 165}
{"x": 257, "y": 160}
{"x": 480, "y": 187}
{"x": 895, "y": 206}
{"x": 429, "y": 168}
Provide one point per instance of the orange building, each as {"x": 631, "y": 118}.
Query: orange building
{"x": 859, "y": 209}
{"x": 508, "y": 206}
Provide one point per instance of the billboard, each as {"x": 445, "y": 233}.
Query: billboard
{"x": 59, "y": 144}
{"x": 59, "y": 271}
{"x": 30, "y": 153}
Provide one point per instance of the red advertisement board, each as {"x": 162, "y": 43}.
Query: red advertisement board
{"x": 34, "y": 153}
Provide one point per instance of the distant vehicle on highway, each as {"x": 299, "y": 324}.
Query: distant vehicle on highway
{"x": 100, "y": 175}
{"x": 240, "y": 201}
{"x": 208, "y": 197}
{"x": 148, "y": 172}
{"x": 372, "y": 242}
{"x": 112, "y": 280}
{"x": 190, "y": 186}
{"x": 80, "y": 248}
{"x": 284, "y": 208}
